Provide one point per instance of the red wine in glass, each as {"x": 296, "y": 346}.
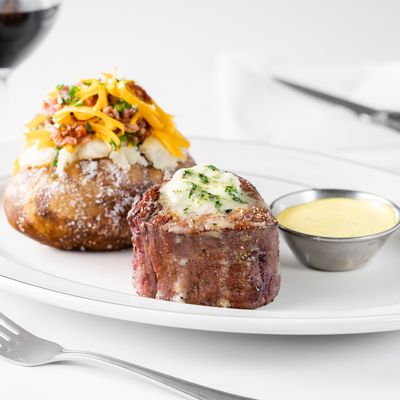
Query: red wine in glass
{"x": 23, "y": 24}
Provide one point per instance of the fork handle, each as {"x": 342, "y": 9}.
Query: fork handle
{"x": 192, "y": 389}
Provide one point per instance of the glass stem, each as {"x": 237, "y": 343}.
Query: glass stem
{"x": 4, "y": 72}
{"x": 4, "y": 103}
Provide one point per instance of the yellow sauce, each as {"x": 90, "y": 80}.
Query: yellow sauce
{"x": 339, "y": 217}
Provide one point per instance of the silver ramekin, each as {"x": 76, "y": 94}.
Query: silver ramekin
{"x": 326, "y": 253}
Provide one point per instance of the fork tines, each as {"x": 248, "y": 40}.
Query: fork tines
{"x": 9, "y": 327}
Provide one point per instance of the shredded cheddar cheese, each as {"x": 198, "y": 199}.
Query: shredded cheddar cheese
{"x": 102, "y": 101}
{"x": 87, "y": 113}
{"x": 83, "y": 106}
{"x": 40, "y": 136}
{"x": 39, "y": 119}
{"x": 106, "y": 134}
{"x": 16, "y": 166}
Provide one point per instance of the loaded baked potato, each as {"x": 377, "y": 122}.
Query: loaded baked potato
{"x": 93, "y": 149}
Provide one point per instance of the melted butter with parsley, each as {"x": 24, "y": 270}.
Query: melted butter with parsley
{"x": 203, "y": 190}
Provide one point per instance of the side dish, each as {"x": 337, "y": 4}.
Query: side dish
{"x": 335, "y": 229}
{"x": 93, "y": 148}
{"x": 205, "y": 237}
{"x": 339, "y": 217}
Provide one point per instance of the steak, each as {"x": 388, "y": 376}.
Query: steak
{"x": 227, "y": 261}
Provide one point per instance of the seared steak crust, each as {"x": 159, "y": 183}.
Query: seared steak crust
{"x": 200, "y": 261}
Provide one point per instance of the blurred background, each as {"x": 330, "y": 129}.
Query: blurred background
{"x": 178, "y": 49}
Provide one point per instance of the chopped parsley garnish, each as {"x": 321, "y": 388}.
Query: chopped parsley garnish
{"x": 238, "y": 199}
{"x": 188, "y": 172}
{"x": 203, "y": 186}
{"x": 204, "y": 195}
{"x": 204, "y": 178}
{"x": 192, "y": 189}
{"x": 88, "y": 127}
{"x": 230, "y": 189}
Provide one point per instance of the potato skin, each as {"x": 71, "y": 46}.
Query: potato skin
{"x": 84, "y": 209}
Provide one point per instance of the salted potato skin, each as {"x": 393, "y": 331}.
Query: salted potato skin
{"x": 83, "y": 209}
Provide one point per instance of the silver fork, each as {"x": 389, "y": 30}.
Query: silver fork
{"x": 22, "y": 348}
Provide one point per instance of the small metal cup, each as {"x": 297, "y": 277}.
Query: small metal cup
{"x": 326, "y": 253}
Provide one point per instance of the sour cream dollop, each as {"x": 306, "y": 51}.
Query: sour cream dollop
{"x": 151, "y": 152}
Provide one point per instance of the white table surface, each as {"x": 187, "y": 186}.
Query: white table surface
{"x": 191, "y": 38}
{"x": 265, "y": 367}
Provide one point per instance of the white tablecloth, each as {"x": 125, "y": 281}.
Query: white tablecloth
{"x": 264, "y": 367}
{"x": 252, "y": 106}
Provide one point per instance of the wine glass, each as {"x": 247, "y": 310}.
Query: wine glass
{"x": 23, "y": 24}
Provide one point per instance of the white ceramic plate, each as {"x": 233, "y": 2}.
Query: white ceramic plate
{"x": 310, "y": 302}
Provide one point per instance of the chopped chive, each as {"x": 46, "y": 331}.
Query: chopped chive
{"x": 76, "y": 103}
{"x": 72, "y": 91}
{"x": 121, "y": 105}
{"x": 113, "y": 145}
{"x": 55, "y": 161}
{"x": 88, "y": 127}
{"x": 70, "y": 98}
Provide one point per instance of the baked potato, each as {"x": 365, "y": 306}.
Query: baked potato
{"x": 83, "y": 209}
{"x": 94, "y": 147}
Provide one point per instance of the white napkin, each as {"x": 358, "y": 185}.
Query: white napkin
{"x": 254, "y": 107}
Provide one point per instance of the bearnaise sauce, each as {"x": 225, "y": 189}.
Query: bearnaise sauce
{"x": 339, "y": 217}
